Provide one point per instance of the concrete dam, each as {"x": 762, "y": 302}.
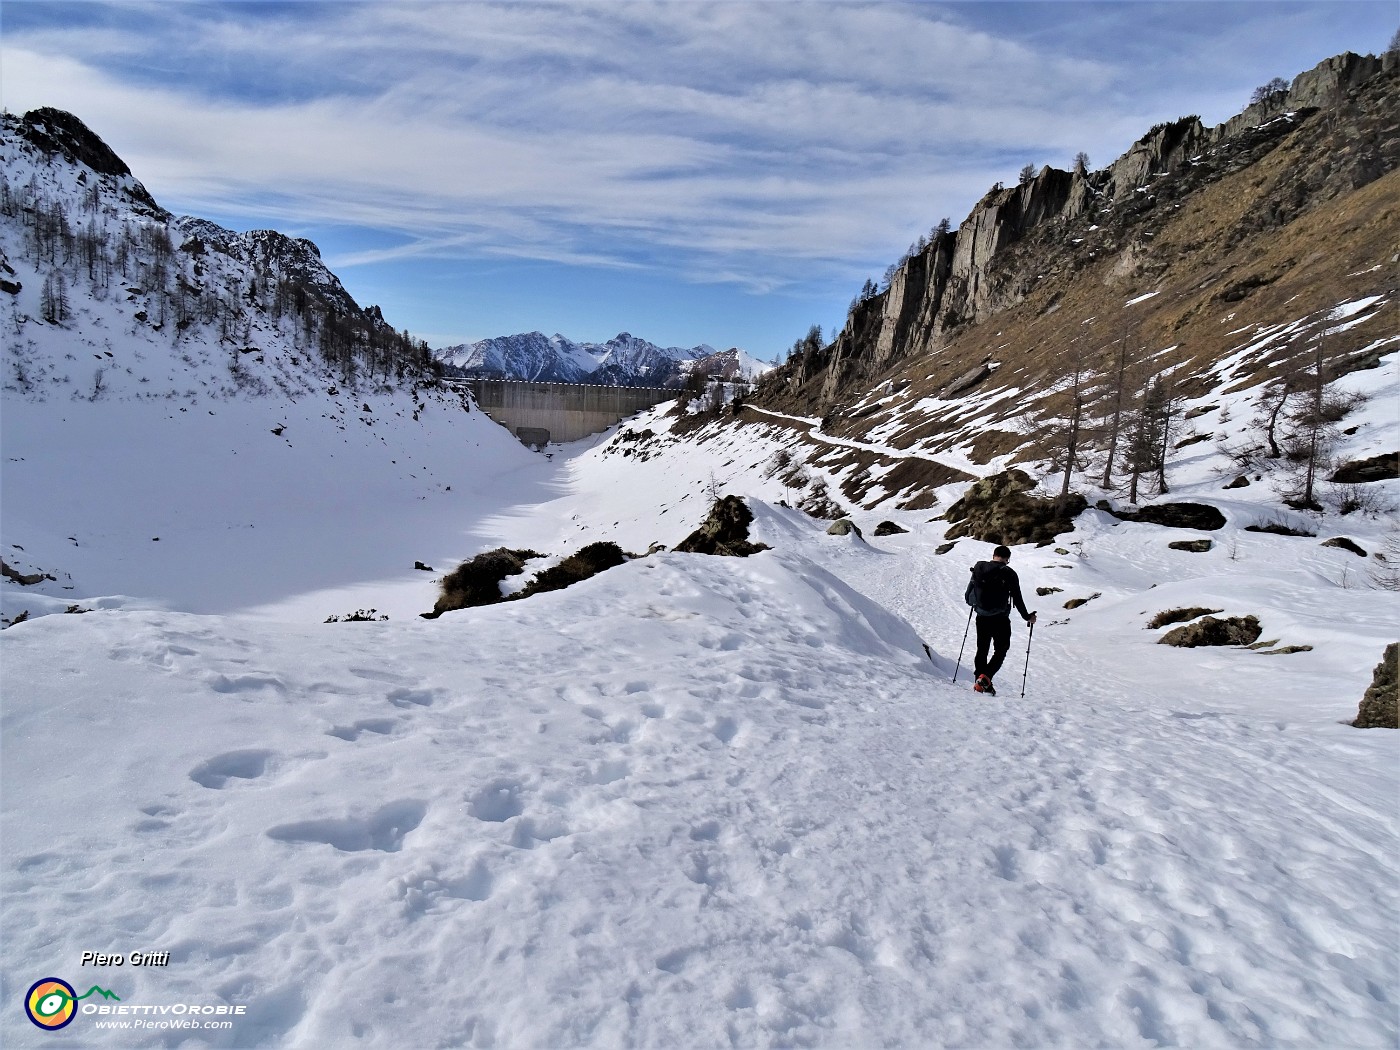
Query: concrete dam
{"x": 538, "y": 413}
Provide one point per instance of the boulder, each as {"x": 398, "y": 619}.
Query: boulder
{"x": 1234, "y": 630}
{"x": 24, "y": 580}
{"x": 1345, "y": 544}
{"x": 724, "y": 532}
{"x": 1385, "y": 467}
{"x": 843, "y": 527}
{"x": 1075, "y": 603}
{"x": 999, "y": 509}
{"x": 1378, "y": 706}
{"x": 1194, "y": 546}
{"x": 1197, "y": 516}
{"x": 1240, "y": 482}
{"x": 967, "y": 381}
{"x": 889, "y": 528}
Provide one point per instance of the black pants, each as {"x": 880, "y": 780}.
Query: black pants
{"x": 992, "y": 631}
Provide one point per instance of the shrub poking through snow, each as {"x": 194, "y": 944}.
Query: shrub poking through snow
{"x": 1234, "y": 630}
{"x": 1378, "y": 708}
{"x": 478, "y": 582}
{"x": 1278, "y": 528}
{"x": 1178, "y": 616}
{"x": 724, "y": 532}
{"x": 358, "y": 616}
{"x": 577, "y": 567}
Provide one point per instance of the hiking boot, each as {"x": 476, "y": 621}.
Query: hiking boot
{"x": 984, "y": 685}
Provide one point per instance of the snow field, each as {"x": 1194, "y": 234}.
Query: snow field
{"x": 208, "y": 510}
{"x": 693, "y": 801}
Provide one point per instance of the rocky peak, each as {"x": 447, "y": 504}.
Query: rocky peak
{"x": 56, "y": 131}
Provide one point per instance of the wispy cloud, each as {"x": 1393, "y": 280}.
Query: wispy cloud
{"x": 749, "y": 142}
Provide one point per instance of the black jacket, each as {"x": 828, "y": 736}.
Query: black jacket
{"x": 999, "y": 588}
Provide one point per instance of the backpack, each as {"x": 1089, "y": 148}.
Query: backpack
{"x": 988, "y": 591}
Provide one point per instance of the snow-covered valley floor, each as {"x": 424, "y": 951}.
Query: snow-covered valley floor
{"x": 697, "y": 801}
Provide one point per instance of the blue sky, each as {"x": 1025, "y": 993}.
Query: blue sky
{"x": 690, "y": 172}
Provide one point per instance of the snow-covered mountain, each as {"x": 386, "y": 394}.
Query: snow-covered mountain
{"x": 529, "y": 355}
{"x": 624, "y": 360}
{"x": 107, "y": 295}
{"x": 146, "y": 354}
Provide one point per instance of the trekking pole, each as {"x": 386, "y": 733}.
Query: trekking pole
{"x": 1029, "y": 636}
{"x": 964, "y": 643}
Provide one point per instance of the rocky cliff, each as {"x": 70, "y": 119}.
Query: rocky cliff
{"x": 1063, "y": 226}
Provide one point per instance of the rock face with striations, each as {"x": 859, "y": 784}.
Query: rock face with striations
{"x": 1379, "y": 707}
{"x": 990, "y": 264}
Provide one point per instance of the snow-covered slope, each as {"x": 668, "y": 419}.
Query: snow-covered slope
{"x": 703, "y": 801}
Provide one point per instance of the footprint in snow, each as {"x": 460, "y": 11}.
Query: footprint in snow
{"x": 380, "y": 726}
{"x": 384, "y": 830}
{"x": 497, "y": 802}
{"x": 245, "y": 683}
{"x": 411, "y": 697}
{"x": 725, "y": 729}
{"x": 424, "y": 892}
{"x": 216, "y": 772}
{"x": 387, "y": 677}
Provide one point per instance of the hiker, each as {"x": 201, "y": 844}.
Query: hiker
{"x": 995, "y": 587}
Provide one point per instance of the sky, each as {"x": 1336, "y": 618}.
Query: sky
{"x": 722, "y": 173}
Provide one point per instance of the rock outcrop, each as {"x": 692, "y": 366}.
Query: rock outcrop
{"x": 725, "y": 531}
{"x": 1233, "y": 630}
{"x": 1379, "y": 707}
{"x": 999, "y": 509}
{"x": 962, "y": 278}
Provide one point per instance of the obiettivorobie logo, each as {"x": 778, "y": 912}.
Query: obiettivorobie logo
{"x": 53, "y": 1003}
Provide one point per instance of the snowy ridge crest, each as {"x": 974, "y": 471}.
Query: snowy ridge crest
{"x": 624, "y": 360}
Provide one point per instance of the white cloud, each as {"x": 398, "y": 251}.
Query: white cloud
{"x": 758, "y": 141}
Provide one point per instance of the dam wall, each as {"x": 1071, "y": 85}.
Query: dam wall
{"x": 540, "y": 413}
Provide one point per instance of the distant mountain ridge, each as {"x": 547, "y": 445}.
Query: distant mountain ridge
{"x": 624, "y": 360}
